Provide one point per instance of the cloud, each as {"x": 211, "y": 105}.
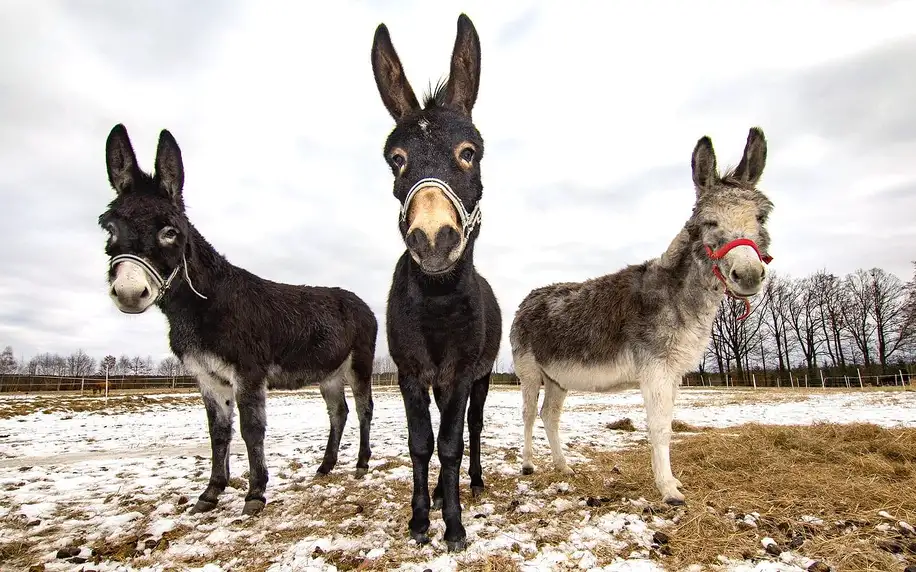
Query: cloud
{"x": 589, "y": 116}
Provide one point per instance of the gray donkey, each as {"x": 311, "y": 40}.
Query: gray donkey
{"x": 648, "y": 323}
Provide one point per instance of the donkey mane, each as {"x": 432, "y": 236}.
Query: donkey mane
{"x": 435, "y": 94}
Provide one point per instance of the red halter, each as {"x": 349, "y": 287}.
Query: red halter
{"x": 719, "y": 254}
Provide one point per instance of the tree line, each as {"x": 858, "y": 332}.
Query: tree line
{"x": 81, "y": 364}
{"x": 864, "y": 321}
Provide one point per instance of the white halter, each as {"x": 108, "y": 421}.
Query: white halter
{"x": 469, "y": 220}
{"x": 161, "y": 284}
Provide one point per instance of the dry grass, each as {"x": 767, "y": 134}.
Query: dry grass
{"x": 682, "y": 427}
{"x": 841, "y": 474}
{"x": 11, "y": 408}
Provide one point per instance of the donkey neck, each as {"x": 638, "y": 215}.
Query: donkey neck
{"x": 208, "y": 271}
{"x": 687, "y": 271}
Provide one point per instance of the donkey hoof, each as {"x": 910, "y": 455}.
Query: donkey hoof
{"x": 203, "y": 506}
{"x": 253, "y": 507}
{"x": 437, "y": 503}
{"x": 419, "y": 537}
{"x": 476, "y": 490}
{"x": 527, "y": 470}
{"x": 360, "y": 472}
{"x": 565, "y": 471}
{"x": 675, "y": 501}
{"x": 322, "y": 471}
{"x": 456, "y": 545}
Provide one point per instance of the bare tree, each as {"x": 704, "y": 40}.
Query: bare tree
{"x": 735, "y": 341}
{"x": 170, "y": 366}
{"x": 894, "y": 326}
{"x": 829, "y": 293}
{"x": 80, "y": 364}
{"x": 107, "y": 365}
{"x": 857, "y": 313}
{"x": 7, "y": 361}
{"x": 140, "y": 366}
{"x": 804, "y": 319}
{"x": 778, "y": 292}
{"x": 122, "y": 367}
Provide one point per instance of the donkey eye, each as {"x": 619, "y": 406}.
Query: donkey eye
{"x": 398, "y": 160}
{"x": 467, "y": 154}
{"x": 710, "y": 224}
{"x": 168, "y": 234}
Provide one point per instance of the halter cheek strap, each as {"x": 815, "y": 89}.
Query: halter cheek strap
{"x": 469, "y": 220}
{"x": 720, "y": 254}
{"x": 161, "y": 284}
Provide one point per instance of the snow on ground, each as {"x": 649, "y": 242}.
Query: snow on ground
{"x": 122, "y": 478}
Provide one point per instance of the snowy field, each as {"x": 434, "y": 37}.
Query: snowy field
{"x": 107, "y": 487}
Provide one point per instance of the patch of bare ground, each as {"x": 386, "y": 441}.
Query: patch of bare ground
{"x": 835, "y": 493}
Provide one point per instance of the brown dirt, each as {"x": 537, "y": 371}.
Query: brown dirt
{"x": 625, "y": 424}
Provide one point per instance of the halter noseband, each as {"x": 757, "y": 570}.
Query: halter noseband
{"x": 161, "y": 284}
{"x": 469, "y": 220}
{"x": 720, "y": 254}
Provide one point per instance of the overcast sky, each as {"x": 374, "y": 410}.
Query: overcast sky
{"x": 589, "y": 113}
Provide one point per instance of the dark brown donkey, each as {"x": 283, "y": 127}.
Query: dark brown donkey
{"x": 443, "y": 320}
{"x": 236, "y": 332}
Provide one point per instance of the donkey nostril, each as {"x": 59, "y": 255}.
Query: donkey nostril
{"x": 447, "y": 238}
{"x": 145, "y": 293}
{"x": 416, "y": 240}
{"x": 735, "y": 276}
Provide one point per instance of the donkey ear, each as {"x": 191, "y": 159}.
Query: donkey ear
{"x": 397, "y": 95}
{"x": 120, "y": 160}
{"x": 755, "y": 157}
{"x": 703, "y": 164}
{"x": 464, "y": 75}
{"x": 169, "y": 168}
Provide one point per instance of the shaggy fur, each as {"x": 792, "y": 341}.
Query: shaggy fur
{"x": 241, "y": 332}
{"x": 649, "y": 323}
{"x": 443, "y": 320}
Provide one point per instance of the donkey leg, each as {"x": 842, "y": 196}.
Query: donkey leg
{"x": 475, "y": 427}
{"x": 658, "y": 396}
{"x": 554, "y": 396}
{"x": 219, "y": 401}
{"x": 451, "y": 450}
{"x": 332, "y": 390}
{"x": 530, "y": 380}
{"x": 361, "y": 386}
{"x": 253, "y": 424}
{"x": 420, "y": 444}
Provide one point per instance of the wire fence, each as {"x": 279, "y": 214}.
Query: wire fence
{"x": 93, "y": 385}
{"x": 817, "y": 379}
{"x": 96, "y": 385}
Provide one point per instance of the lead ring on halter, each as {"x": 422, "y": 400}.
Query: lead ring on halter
{"x": 469, "y": 220}
{"x": 720, "y": 254}
{"x": 161, "y": 284}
